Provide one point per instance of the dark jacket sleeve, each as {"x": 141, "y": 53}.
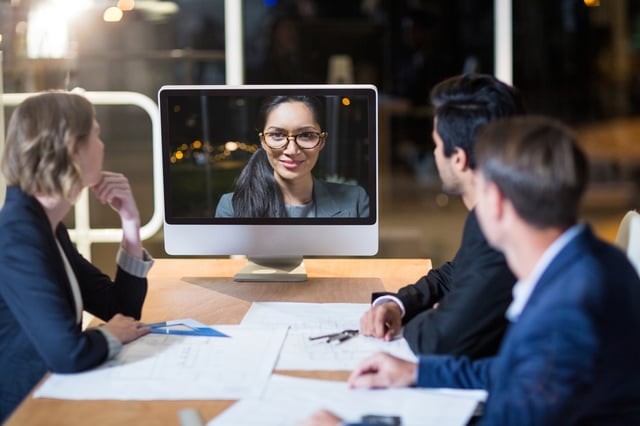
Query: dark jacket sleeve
{"x": 101, "y": 296}
{"x": 445, "y": 371}
{"x": 473, "y": 292}
{"x": 424, "y": 293}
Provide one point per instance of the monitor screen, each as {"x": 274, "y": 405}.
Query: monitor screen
{"x": 270, "y": 171}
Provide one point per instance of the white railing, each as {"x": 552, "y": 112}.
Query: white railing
{"x": 503, "y": 40}
{"x": 82, "y": 234}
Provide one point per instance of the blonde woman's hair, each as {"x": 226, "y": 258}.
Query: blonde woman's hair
{"x": 44, "y": 132}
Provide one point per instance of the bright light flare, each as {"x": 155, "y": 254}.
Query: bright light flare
{"x": 48, "y": 28}
{"x": 231, "y": 146}
{"x": 112, "y": 14}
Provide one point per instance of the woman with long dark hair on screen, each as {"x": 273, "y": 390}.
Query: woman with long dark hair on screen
{"x": 277, "y": 180}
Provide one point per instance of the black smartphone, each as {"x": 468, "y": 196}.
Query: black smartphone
{"x": 375, "y": 419}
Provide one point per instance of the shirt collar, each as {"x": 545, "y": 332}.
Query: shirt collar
{"x": 523, "y": 288}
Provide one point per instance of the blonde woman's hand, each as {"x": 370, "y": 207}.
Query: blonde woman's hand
{"x": 125, "y": 329}
{"x": 114, "y": 189}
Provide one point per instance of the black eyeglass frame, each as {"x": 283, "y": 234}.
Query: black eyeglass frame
{"x": 264, "y": 135}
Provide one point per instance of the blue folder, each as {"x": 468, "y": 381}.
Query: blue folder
{"x": 184, "y": 327}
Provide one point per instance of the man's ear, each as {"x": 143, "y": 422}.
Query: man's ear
{"x": 493, "y": 199}
{"x": 460, "y": 159}
{"x": 501, "y": 204}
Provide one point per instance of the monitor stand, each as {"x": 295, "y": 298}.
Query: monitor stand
{"x": 273, "y": 269}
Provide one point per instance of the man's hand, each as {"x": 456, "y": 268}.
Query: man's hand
{"x": 125, "y": 329}
{"x": 383, "y": 321}
{"x": 322, "y": 418}
{"x": 383, "y": 371}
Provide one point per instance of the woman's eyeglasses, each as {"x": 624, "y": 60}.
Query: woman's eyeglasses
{"x": 304, "y": 140}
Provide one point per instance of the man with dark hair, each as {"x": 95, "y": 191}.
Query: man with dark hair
{"x": 570, "y": 356}
{"x": 459, "y": 307}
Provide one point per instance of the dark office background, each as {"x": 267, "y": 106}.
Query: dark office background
{"x": 577, "y": 63}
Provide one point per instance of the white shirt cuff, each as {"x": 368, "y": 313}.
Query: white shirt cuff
{"x": 389, "y": 298}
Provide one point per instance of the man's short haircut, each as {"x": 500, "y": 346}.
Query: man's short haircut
{"x": 465, "y": 103}
{"x": 537, "y": 164}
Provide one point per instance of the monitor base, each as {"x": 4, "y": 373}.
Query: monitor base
{"x": 273, "y": 269}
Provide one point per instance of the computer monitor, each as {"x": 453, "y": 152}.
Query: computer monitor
{"x": 210, "y": 132}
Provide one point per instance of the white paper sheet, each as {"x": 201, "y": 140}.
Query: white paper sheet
{"x": 289, "y": 400}
{"x": 160, "y": 366}
{"x": 314, "y": 319}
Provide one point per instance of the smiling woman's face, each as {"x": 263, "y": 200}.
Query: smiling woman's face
{"x": 292, "y": 163}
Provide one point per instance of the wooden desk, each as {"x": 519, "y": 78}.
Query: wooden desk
{"x": 203, "y": 290}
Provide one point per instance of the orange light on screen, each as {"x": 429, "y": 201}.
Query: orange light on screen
{"x": 592, "y": 3}
{"x": 346, "y": 101}
{"x": 126, "y": 5}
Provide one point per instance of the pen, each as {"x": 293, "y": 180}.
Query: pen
{"x": 339, "y": 337}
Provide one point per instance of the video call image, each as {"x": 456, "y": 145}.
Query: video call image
{"x": 210, "y": 138}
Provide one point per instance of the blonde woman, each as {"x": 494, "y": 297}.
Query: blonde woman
{"x": 53, "y": 150}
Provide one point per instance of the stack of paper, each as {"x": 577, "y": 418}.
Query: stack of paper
{"x": 159, "y": 366}
{"x": 289, "y": 400}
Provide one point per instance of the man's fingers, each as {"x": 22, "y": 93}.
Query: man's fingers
{"x": 390, "y": 334}
{"x": 380, "y": 322}
{"x": 366, "y": 322}
{"x": 364, "y": 381}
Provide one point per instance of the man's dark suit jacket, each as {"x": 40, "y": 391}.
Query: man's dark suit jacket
{"x": 38, "y": 326}
{"x": 473, "y": 292}
{"x": 572, "y": 356}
